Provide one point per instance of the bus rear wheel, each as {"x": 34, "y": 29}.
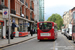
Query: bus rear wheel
{"x": 54, "y": 39}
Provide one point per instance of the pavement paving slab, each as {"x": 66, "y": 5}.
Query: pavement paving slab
{"x": 16, "y": 40}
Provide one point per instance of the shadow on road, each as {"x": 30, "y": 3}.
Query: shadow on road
{"x": 46, "y": 40}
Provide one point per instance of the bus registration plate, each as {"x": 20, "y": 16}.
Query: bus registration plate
{"x": 45, "y": 34}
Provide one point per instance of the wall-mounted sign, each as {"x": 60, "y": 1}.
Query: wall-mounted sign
{"x": 5, "y": 13}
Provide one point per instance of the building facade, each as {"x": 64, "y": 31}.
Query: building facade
{"x": 66, "y": 20}
{"x": 21, "y": 14}
{"x": 69, "y": 17}
{"x": 73, "y": 15}
{"x": 36, "y": 10}
{"x": 41, "y": 10}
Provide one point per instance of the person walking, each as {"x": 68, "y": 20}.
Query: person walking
{"x": 7, "y": 33}
{"x": 32, "y": 31}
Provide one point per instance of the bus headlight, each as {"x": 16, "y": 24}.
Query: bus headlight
{"x": 50, "y": 34}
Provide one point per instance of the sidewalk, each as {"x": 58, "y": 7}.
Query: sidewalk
{"x": 4, "y": 42}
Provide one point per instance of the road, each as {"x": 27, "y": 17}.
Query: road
{"x": 62, "y": 43}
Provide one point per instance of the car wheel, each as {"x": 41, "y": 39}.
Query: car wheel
{"x": 69, "y": 38}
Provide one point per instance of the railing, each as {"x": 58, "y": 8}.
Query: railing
{"x": 31, "y": 8}
{"x": 22, "y": 15}
{"x": 13, "y": 11}
{"x": 26, "y": 17}
{"x": 26, "y": 4}
{"x": 3, "y": 7}
{"x": 22, "y": 1}
{"x": 32, "y": 19}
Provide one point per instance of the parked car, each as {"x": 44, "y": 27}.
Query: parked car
{"x": 59, "y": 30}
{"x": 69, "y": 31}
{"x": 66, "y": 32}
{"x": 63, "y": 31}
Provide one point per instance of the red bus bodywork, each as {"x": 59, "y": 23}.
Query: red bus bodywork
{"x": 21, "y": 34}
{"x": 52, "y": 33}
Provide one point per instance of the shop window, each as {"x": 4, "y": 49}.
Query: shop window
{"x": 21, "y": 10}
{"x": 74, "y": 15}
{"x": 2, "y": 2}
{"x": 31, "y": 4}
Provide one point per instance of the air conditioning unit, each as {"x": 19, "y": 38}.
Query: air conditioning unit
{"x": 22, "y": 15}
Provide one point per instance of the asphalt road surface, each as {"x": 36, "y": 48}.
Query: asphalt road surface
{"x": 62, "y": 43}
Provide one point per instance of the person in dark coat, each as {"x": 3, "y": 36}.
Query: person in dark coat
{"x": 7, "y": 34}
{"x": 32, "y": 31}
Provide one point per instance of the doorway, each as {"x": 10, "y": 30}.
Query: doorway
{"x": 1, "y": 30}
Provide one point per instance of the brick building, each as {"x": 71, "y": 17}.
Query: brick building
{"x": 69, "y": 17}
{"x": 21, "y": 13}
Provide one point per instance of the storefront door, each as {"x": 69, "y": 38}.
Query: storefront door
{"x": 1, "y": 30}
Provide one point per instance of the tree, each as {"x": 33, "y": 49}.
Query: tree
{"x": 57, "y": 19}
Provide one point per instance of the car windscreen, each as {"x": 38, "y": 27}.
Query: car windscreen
{"x": 45, "y": 26}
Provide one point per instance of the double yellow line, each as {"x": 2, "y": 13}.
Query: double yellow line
{"x": 69, "y": 42}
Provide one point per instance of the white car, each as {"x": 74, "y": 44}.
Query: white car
{"x": 69, "y": 32}
{"x": 63, "y": 31}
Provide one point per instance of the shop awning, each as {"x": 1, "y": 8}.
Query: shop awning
{"x": 14, "y": 25}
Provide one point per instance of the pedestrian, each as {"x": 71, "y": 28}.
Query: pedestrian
{"x": 7, "y": 33}
{"x": 32, "y": 31}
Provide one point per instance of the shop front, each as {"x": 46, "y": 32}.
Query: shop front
{"x": 30, "y": 25}
{"x": 15, "y": 25}
{"x": 1, "y": 29}
{"x": 1, "y": 26}
{"x": 22, "y": 25}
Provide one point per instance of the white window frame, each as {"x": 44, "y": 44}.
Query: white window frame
{"x": 2, "y": 2}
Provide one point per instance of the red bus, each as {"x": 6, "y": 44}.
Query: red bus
{"x": 46, "y": 30}
{"x": 73, "y": 32}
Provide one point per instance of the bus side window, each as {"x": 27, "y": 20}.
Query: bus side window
{"x": 55, "y": 29}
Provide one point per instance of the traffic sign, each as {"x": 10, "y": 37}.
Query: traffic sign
{"x": 5, "y": 13}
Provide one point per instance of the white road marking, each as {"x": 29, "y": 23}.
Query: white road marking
{"x": 56, "y": 48}
{"x": 56, "y": 45}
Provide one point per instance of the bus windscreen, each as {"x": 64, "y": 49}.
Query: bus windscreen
{"x": 45, "y": 26}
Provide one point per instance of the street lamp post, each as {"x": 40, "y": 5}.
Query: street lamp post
{"x": 9, "y": 20}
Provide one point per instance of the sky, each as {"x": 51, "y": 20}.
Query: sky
{"x": 57, "y": 6}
